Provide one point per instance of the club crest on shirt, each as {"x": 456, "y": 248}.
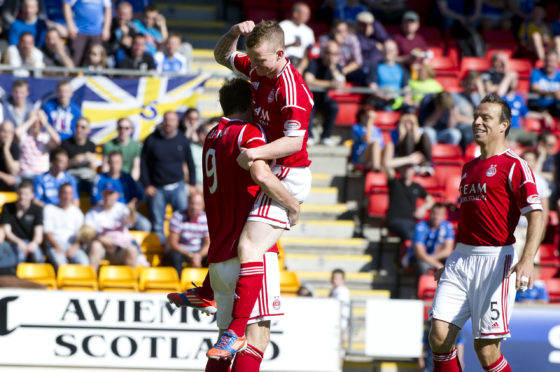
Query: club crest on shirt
{"x": 270, "y": 96}
{"x": 491, "y": 171}
{"x": 276, "y": 303}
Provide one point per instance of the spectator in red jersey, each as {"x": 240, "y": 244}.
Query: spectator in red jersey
{"x": 496, "y": 188}
{"x": 412, "y": 46}
{"x": 188, "y": 240}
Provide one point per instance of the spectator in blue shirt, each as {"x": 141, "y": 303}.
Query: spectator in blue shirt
{"x": 367, "y": 141}
{"x": 47, "y": 184}
{"x": 89, "y": 22}
{"x": 433, "y": 241}
{"x": 348, "y": 11}
{"x": 153, "y": 26}
{"x": 170, "y": 59}
{"x": 128, "y": 189}
{"x": 390, "y": 80}
{"x": 62, "y": 112}
{"x": 546, "y": 83}
{"x": 538, "y": 293}
{"x": 28, "y": 22}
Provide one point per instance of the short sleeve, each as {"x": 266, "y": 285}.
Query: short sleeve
{"x": 421, "y": 192}
{"x": 535, "y": 76}
{"x": 296, "y": 102}
{"x": 524, "y": 188}
{"x": 48, "y": 218}
{"x": 241, "y": 64}
{"x": 251, "y": 136}
{"x": 175, "y": 223}
{"x": 38, "y": 214}
{"x": 420, "y": 233}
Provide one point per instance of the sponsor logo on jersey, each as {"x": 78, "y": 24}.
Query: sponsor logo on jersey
{"x": 491, "y": 171}
{"x": 292, "y": 125}
{"x": 533, "y": 199}
{"x": 276, "y": 303}
{"x": 262, "y": 115}
{"x": 495, "y": 325}
{"x": 270, "y": 96}
{"x": 473, "y": 191}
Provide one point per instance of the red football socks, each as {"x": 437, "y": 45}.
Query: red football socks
{"x": 500, "y": 365}
{"x": 247, "y": 291}
{"x": 248, "y": 360}
{"x": 218, "y": 365}
{"x": 206, "y": 291}
{"x": 446, "y": 362}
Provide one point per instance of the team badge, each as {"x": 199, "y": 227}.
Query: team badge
{"x": 491, "y": 171}
{"x": 271, "y": 96}
{"x": 276, "y": 303}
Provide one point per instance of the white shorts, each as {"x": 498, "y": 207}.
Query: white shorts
{"x": 223, "y": 277}
{"x": 475, "y": 284}
{"x": 298, "y": 183}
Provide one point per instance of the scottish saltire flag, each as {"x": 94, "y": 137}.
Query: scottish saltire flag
{"x": 105, "y": 100}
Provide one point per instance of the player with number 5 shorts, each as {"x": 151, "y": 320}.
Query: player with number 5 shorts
{"x": 481, "y": 276}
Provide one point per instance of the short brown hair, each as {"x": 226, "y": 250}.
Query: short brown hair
{"x": 20, "y": 83}
{"x": 445, "y": 100}
{"x": 235, "y": 96}
{"x": 266, "y": 31}
{"x": 506, "y": 110}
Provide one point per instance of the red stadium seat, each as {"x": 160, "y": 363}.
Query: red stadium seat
{"x": 436, "y": 50}
{"x": 443, "y": 153}
{"x": 548, "y": 253}
{"x": 500, "y": 39}
{"x": 375, "y": 182}
{"x": 450, "y": 83}
{"x": 522, "y": 66}
{"x": 473, "y": 64}
{"x": 347, "y": 113}
{"x": 387, "y": 120}
{"x": 452, "y": 194}
{"x": 432, "y": 185}
{"x": 432, "y": 35}
{"x": 426, "y": 287}
{"x": 444, "y": 66}
{"x": 532, "y": 125}
{"x": 490, "y": 52}
{"x": 523, "y": 86}
{"x": 378, "y": 203}
{"x": 553, "y": 288}
{"x": 472, "y": 151}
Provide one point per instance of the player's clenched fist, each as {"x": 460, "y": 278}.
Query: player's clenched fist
{"x": 243, "y": 28}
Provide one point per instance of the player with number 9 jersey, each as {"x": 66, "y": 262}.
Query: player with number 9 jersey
{"x": 229, "y": 191}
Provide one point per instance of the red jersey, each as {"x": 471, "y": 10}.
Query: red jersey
{"x": 282, "y": 105}
{"x": 229, "y": 190}
{"x": 494, "y": 193}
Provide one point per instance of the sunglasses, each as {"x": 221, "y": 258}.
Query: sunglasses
{"x": 123, "y": 128}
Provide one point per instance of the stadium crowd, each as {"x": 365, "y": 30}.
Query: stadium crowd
{"x": 424, "y": 83}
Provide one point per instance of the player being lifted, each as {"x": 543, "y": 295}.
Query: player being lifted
{"x": 282, "y": 105}
{"x": 481, "y": 275}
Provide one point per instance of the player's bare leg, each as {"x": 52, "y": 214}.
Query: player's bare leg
{"x": 489, "y": 355}
{"x": 258, "y": 338}
{"x": 256, "y": 238}
{"x": 442, "y": 340}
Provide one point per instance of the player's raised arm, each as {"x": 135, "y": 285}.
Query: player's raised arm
{"x": 271, "y": 185}
{"x": 227, "y": 44}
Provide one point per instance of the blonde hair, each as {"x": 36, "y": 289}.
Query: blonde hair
{"x": 266, "y": 31}
{"x": 402, "y": 130}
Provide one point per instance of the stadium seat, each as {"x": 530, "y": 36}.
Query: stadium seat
{"x": 150, "y": 246}
{"x": 553, "y": 288}
{"x": 444, "y": 66}
{"x": 116, "y": 278}
{"x": 472, "y": 151}
{"x": 473, "y": 64}
{"x": 378, "y": 204}
{"x": 432, "y": 35}
{"x": 436, "y": 50}
{"x": 347, "y": 112}
{"x": 523, "y": 86}
{"x": 289, "y": 283}
{"x": 522, "y": 66}
{"x": 443, "y": 153}
{"x": 387, "y": 120}
{"x": 432, "y": 185}
{"x": 450, "y": 83}
{"x": 452, "y": 184}
{"x": 42, "y": 273}
{"x": 490, "y": 52}
{"x": 548, "y": 253}
{"x": 159, "y": 279}
{"x": 77, "y": 278}
{"x": 503, "y": 39}
{"x": 375, "y": 182}
{"x": 426, "y": 287}
{"x": 191, "y": 275}
{"x": 7, "y": 197}
{"x": 532, "y": 125}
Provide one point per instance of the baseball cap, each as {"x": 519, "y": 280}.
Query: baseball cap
{"x": 110, "y": 186}
{"x": 365, "y": 17}
{"x": 411, "y": 16}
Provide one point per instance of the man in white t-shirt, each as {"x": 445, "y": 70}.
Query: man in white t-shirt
{"x": 170, "y": 59}
{"x": 24, "y": 54}
{"x": 110, "y": 219}
{"x": 61, "y": 223}
{"x": 298, "y": 36}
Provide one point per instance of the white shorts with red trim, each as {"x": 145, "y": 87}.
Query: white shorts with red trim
{"x": 475, "y": 285}
{"x": 223, "y": 277}
{"x": 266, "y": 210}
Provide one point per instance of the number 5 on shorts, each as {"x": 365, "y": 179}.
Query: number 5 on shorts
{"x": 494, "y": 310}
